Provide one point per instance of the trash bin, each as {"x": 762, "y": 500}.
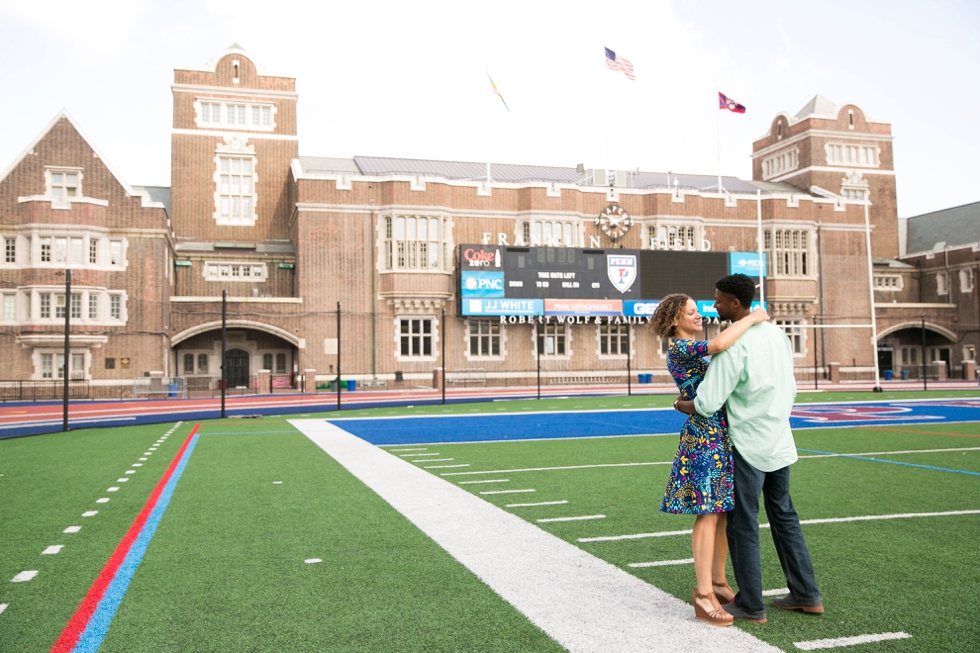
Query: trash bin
{"x": 351, "y": 385}
{"x": 171, "y": 389}
{"x": 646, "y": 378}
{"x": 905, "y": 375}
{"x": 888, "y": 375}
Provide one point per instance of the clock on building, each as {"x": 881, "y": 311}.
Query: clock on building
{"x": 614, "y": 221}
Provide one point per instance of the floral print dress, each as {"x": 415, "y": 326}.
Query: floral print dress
{"x": 702, "y": 475}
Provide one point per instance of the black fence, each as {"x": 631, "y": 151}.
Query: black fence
{"x": 43, "y": 390}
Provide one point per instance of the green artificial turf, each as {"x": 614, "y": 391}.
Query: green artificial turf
{"x": 48, "y": 482}
{"x": 876, "y": 576}
{"x": 226, "y": 570}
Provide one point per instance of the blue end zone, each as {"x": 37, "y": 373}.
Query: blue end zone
{"x": 660, "y": 421}
{"x": 513, "y": 426}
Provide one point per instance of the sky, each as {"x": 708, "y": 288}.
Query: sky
{"x": 409, "y": 79}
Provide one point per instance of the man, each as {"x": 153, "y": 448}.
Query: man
{"x": 754, "y": 377}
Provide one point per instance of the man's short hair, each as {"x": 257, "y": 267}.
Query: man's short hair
{"x": 738, "y": 286}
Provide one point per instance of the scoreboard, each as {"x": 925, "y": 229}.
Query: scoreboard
{"x": 502, "y": 280}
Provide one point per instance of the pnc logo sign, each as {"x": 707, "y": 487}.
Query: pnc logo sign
{"x": 482, "y": 284}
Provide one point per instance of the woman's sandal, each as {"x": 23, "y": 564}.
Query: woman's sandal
{"x": 716, "y": 616}
{"x": 727, "y": 595}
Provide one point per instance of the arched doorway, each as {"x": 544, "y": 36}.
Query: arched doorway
{"x": 236, "y": 368}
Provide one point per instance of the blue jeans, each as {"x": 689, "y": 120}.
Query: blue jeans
{"x": 743, "y": 537}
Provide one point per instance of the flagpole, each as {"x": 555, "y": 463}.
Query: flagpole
{"x": 486, "y": 115}
{"x": 605, "y": 121}
{"x": 758, "y": 213}
{"x": 718, "y": 122}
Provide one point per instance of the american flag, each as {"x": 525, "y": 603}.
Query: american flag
{"x": 618, "y": 63}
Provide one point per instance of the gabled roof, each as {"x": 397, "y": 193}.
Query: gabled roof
{"x": 951, "y": 227}
{"x": 44, "y": 132}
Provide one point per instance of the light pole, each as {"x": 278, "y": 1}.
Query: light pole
{"x": 65, "y": 367}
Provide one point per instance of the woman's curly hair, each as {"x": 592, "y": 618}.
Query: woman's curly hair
{"x": 667, "y": 312}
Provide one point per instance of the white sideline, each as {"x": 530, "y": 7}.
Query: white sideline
{"x": 816, "y": 644}
{"x": 583, "y": 603}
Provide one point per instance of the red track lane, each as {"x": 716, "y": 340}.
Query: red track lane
{"x": 76, "y": 625}
{"x": 78, "y": 410}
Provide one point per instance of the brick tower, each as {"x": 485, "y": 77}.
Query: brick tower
{"x": 836, "y": 151}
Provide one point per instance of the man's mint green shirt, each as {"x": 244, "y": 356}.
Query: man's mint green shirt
{"x": 754, "y": 378}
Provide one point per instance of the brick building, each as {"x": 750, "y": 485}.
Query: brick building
{"x": 287, "y": 237}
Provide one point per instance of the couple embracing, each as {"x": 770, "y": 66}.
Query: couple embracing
{"x": 735, "y": 445}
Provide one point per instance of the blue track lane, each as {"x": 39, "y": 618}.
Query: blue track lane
{"x": 529, "y": 426}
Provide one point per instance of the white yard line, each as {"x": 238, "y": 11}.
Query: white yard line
{"x": 780, "y": 592}
{"x": 547, "y": 520}
{"x": 584, "y": 603}
{"x": 444, "y": 466}
{"x": 531, "y": 505}
{"x": 53, "y": 549}
{"x": 24, "y": 576}
{"x": 889, "y": 453}
{"x": 831, "y": 520}
{"x": 661, "y": 563}
{"x": 413, "y": 455}
{"x": 551, "y": 469}
{"x": 816, "y": 644}
{"x": 3, "y": 606}
{"x": 507, "y": 491}
{"x": 495, "y": 480}
{"x": 431, "y": 460}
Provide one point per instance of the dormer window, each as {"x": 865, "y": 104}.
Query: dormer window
{"x": 64, "y": 184}
{"x": 257, "y": 116}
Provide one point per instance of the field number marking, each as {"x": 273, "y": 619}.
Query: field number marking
{"x": 816, "y": 644}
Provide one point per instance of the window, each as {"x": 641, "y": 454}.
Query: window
{"x": 414, "y": 243}
{"x": 790, "y": 251}
{"x": 415, "y": 337}
{"x": 75, "y": 251}
{"x": 888, "y": 282}
{"x": 65, "y": 184}
{"x": 669, "y": 236}
{"x": 93, "y": 251}
{"x": 238, "y": 271}
{"x": 110, "y": 363}
{"x": 214, "y": 113}
{"x": 48, "y": 362}
{"x": 484, "y": 338}
{"x": 852, "y": 155}
{"x": 60, "y": 250}
{"x": 45, "y": 249}
{"x": 853, "y": 194}
{"x": 280, "y": 363}
{"x": 59, "y": 307}
{"x": 613, "y": 340}
{"x": 551, "y": 340}
{"x": 777, "y": 164}
{"x": 966, "y": 280}
{"x": 235, "y": 189}
{"x": 910, "y": 355}
{"x": 93, "y": 306}
{"x": 10, "y": 307}
{"x": 267, "y": 362}
{"x": 942, "y": 283}
{"x": 76, "y": 306}
{"x": 45, "y": 305}
{"x": 553, "y": 233}
{"x": 794, "y": 331}
{"x": 115, "y": 307}
{"x": 115, "y": 253}
{"x": 10, "y": 250}
{"x": 188, "y": 363}
{"x": 202, "y": 363}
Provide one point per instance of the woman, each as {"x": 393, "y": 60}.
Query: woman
{"x": 700, "y": 480}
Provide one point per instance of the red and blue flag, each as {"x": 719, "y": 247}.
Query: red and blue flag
{"x": 725, "y": 102}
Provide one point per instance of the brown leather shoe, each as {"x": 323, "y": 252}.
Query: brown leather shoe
{"x": 789, "y": 603}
